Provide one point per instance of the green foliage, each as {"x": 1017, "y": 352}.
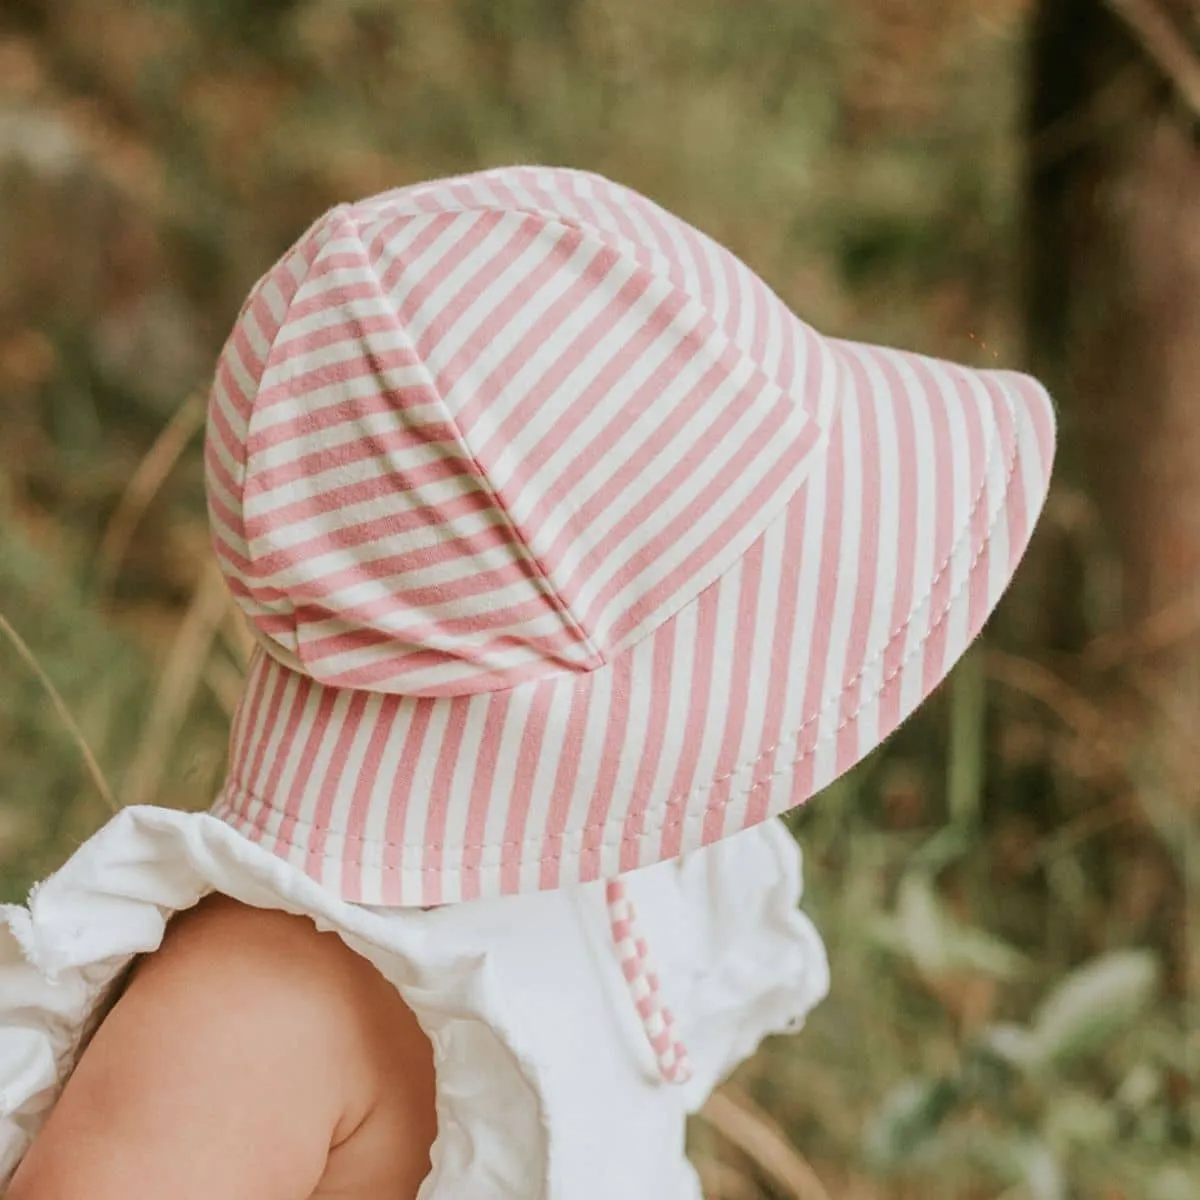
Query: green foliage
{"x": 46, "y": 800}
{"x": 1089, "y": 1007}
{"x": 1073, "y": 1027}
{"x": 1010, "y": 1006}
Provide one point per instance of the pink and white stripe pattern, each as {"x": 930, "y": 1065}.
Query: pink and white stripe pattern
{"x": 658, "y": 1022}
{"x": 570, "y": 548}
{"x": 461, "y": 434}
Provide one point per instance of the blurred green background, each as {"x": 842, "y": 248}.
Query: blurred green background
{"x": 1007, "y": 888}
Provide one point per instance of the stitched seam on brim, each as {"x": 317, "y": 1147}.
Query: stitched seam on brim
{"x": 653, "y": 827}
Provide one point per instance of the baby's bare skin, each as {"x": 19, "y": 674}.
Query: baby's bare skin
{"x": 250, "y": 1058}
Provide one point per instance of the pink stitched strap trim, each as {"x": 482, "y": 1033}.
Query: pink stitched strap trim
{"x": 634, "y": 955}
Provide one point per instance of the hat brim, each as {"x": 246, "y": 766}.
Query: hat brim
{"x": 839, "y": 620}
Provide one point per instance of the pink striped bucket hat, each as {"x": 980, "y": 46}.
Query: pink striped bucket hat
{"x": 569, "y": 548}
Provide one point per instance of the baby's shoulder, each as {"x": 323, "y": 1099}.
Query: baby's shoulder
{"x": 251, "y": 1032}
{"x": 305, "y": 992}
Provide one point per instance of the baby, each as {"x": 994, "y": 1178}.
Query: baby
{"x": 574, "y": 558}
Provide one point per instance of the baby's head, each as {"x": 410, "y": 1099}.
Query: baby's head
{"x": 569, "y": 547}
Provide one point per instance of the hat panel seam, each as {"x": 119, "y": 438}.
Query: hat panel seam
{"x": 557, "y": 601}
{"x": 726, "y": 343}
{"x": 345, "y": 217}
{"x": 614, "y": 240}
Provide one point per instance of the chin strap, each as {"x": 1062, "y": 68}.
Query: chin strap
{"x": 634, "y": 955}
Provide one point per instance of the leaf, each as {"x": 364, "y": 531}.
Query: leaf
{"x": 906, "y": 1120}
{"x": 1039, "y": 1170}
{"x": 1077, "y": 1118}
{"x": 946, "y": 846}
{"x": 1012, "y": 1044}
{"x": 1141, "y": 1087}
{"x": 924, "y": 924}
{"x": 977, "y": 950}
{"x": 938, "y": 943}
{"x": 1092, "y": 1005}
{"x": 1019, "y": 1162}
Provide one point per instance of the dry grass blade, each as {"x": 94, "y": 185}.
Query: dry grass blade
{"x": 1166, "y": 46}
{"x": 1089, "y": 725}
{"x": 236, "y": 633}
{"x": 1075, "y": 711}
{"x": 720, "y": 1181}
{"x": 225, "y": 682}
{"x": 736, "y": 1117}
{"x": 144, "y": 485}
{"x": 1163, "y": 630}
{"x": 1069, "y": 837}
{"x": 180, "y": 678}
{"x": 64, "y": 713}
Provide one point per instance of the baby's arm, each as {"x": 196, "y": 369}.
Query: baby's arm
{"x": 243, "y": 1052}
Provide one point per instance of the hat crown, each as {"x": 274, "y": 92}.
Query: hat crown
{"x": 474, "y": 432}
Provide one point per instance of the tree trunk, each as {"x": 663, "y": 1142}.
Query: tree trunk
{"x": 1113, "y": 302}
{"x": 1113, "y": 312}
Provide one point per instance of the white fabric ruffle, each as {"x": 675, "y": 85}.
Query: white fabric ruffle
{"x": 546, "y": 1087}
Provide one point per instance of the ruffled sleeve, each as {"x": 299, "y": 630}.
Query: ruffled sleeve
{"x": 764, "y": 966}
{"x": 49, "y": 1004}
{"x": 63, "y": 952}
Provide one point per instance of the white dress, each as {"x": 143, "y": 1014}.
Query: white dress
{"x": 546, "y": 1087}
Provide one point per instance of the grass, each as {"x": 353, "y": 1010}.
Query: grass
{"x": 1006, "y": 887}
